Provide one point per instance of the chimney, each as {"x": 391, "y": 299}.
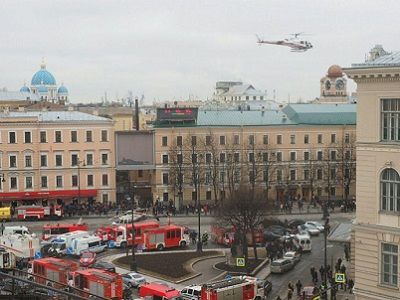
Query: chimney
{"x": 137, "y": 113}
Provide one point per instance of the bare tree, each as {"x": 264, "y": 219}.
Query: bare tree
{"x": 212, "y": 154}
{"x": 176, "y": 170}
{"x": 233, "y": 166}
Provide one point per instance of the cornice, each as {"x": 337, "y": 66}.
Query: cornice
{"x": 373, "y": 74}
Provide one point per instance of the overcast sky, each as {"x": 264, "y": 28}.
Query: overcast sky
{"x": 172, "y": 49}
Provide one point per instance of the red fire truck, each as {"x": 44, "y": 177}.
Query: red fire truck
{"x": 99, "y": 282}
{"x": 29, "y": 212}
{"x": 50, "y": 269}
{"x": 53, "y": 230}
{"x": 225, "y": 236}
{"x": 239, "y": 288}
{"x": 121, "y": 234}
{"x": 158, "y": 291}
{"x": 168, "y": 236}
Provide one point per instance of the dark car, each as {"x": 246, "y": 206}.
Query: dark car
{"x": 293, "y": 224}
{"x": 103, "y": 265}
{"x": 264, "y": 287}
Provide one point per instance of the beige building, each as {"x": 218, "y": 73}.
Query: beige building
{"x": 303, "y": 149}
{"x": 56, "y": 156}
{"x": 333, "y": 86}
{"x": 376, "y": 232}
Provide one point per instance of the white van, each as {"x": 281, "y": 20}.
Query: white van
{"x": 16, "y": 230}
{"x": 304, "y": 241}
{"x": 62, "y": 242}
{"x": 90, "y": 243}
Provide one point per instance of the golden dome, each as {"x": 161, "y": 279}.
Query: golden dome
{"x": 335, "y": 71}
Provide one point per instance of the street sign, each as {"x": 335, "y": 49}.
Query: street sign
{"x": 317, "y": 298}
{"x": 340, "y": 278}
{"x": 240, "y": 262}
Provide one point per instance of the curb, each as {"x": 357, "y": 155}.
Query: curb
{"x": 259, "y": 267}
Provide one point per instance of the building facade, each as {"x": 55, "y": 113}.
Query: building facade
{"x": 333, "y": 86}
{"x": 376, "y": 235}
{"x": 56, "y": 156}
{"x": 303, "y": 149}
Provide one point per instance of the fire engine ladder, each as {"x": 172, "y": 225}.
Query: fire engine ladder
{"x": 225, "y": 283}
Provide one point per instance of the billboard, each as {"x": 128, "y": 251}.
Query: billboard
{"x": 134, "y": 150}
{"x": 177, "y": 114}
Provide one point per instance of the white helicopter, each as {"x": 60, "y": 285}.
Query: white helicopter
{"x": 295, "y": 44}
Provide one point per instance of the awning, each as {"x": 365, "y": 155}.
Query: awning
{"x": 341, "y": 233}
{"x": 47, "y": 194}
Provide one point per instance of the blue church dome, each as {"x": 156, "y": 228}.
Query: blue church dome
{"x": 25, "y": 89}
{"x": 62, "y": 90}
{"x": 43, "y": 77}
{"x": 42, "y": 89}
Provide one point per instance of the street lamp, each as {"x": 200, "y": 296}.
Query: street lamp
{"x": 133, "y": 262}
{"x": 326, "y": 229}
{"x": 196, "y": 177}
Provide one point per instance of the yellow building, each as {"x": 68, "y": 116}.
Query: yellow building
{"x": 56, "y": 155}
{"x": 303, "y": 149}
{"x": 376, "y": 232}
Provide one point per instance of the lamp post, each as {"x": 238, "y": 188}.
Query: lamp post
{"x": 326, "y": 231}
{"x": 133, "y": 262}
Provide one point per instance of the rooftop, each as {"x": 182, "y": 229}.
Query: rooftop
{"x": 17, "y": 96}
{"x": 54, "y": 116}
{"x": 389, "y": 60}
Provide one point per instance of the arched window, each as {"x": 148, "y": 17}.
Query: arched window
{"x": 390, "y": 190}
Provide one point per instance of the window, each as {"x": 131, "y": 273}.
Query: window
{"x": 236, "y": 157}
{"x": 194, "y": 140}
{"x": 265, "y": 156}
{"x": 57, "y": 136}
{"x": 43, "y": 181}
{"x": 319, "y": 174}
{"x": 59, "y": 181}
{"x": 104, "y": 136}
{"x": 27, "y": 137}
{"x": 43, "y": 137}
{"x": 89, "y": 136}
{"x": 194, "y": 158}
{"x": 74, "y": 136}
{"x": 74, "y": 159}
{"x": 347, "y": 173}
{"x": 104, "y": 159}
{"x": 179, "y": 140}
{"x": 208, "y": 140}
{"x": 389, "y": 264}
{"x": 13, "y": 161}
{"x": 104, "y": 179}
{"x": 222, "y": 157}
{"x": 390, "y": 118}
{"x": 333, "y": 173}
{"x": 179, "y": 158}
{"x": 74, "y": 180}
{"x": 292, "y": 174}
{"x": 306, "y": 174}
{"x": 292, "y": 156}
{"x": 306, "y": 155}
{"x": 165, "y": 159}
{"x": 347, "y": 138}
{"x": 332, "y": 191}
{"x": 90, "y": 180}
{"x": 89, "y": 159}
{"x": 105, "y": 198}
{"x": 333, "y": 138}
{"x": 59, "y": 160}
{"x": 13, "y": 183}
{"x": 265, "y": 176}
{"x": 28, "y": 182}
{"x": 319, "y": 138}
{"x": 319, "y": 155}
{"x": 306, "y": 139}
{"x": 251, "y": 157}
{"x": 252, "y": 178}
{"x": 236, "y": 176}
{"x": 292, "y": 139}
{"x": 43, "y": 160}
{"x": 208, "y": 195}
{"x": 251, "y": 140}
{"x": 390, "y": 190}
{"x": 236, "y": 139}
{"x": 265, "y": 139}
{"x": 164, "y": 141}
{"x": 12, "y": 137}
{"x": 208, "y": 158}
{"x": 279, "y": 175}
{"x": 222, "y": 140}
{"x": 333, "y": 155}
{"x": 208, "y": 177}
{"x": 165, "y": 178}
{"x": 278, "y": 156}
{"x": 28, "y": 161}
{"x": 222, "y": 176}
{"x": 279, "y": 139}
{"x": 347, "y": 155}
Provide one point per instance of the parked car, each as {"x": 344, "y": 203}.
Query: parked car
{"x": 133, "y": 279}
{"x": 308, "y": 229}
{"x": 264, "y": 287}
{"x": 281, "y": 265}
{"x": 317, "y": 225}
{"x": 191, "y": 292}
{"x": 103, "y": 265}
{"x": 295, "y": 222}
{"x": 293, "y": 256}
{"x": 87, "y": 259}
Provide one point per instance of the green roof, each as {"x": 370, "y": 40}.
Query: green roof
{"x": 292, "y": 114}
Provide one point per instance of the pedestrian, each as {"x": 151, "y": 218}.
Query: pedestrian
{"x": 312, "y": 270}
{"x": 290, "y": 286}
{"x": 289, "y": 294}
{"x": 299, "y": 285}
{"x": 346, "y": 252}
{"x": 322, "y": 272}
{"x": 343, "y": 269}
{"x": 350, "y": 285}
{"x": 278, "y": 298}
